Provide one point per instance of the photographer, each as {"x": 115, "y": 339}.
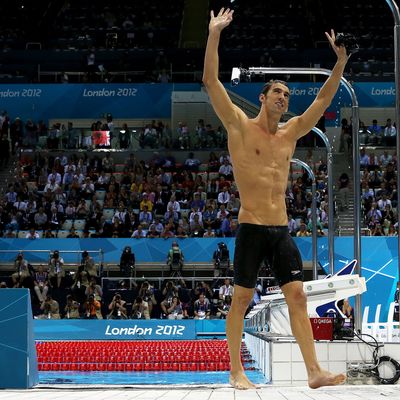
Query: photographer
{"x": 204, "y": 288}
{"x": 56, "y": 269}
{"x": 175, "y": 258}
{"x": 72, "y": 308}
{"x": 221, "y": 260}
{"x": 117, "y": 308}
{"x": 81, "y": 282}
{"x": 89, "y": 264}
{"x": 94, "y": 289}
{"x": 127, "y": 262}
{"x": 146, "y": 292}
{"x": 22, "y": 271}
{"x": 50, "y": 308}
{"x": 140, "y": 309}
{"x": 92, "y": 308}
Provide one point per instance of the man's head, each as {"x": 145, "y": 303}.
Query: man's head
{"x": 277, "y": 93}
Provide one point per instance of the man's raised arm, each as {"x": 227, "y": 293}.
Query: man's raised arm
{"x": 223, "y": 106}
{"x": 305, "y": 122}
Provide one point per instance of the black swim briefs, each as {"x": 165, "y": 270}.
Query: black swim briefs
{"x": 255, "y": 243}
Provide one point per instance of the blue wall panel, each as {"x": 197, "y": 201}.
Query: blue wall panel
{"x": 379, "y": 256}
{"x": 18, "y": 361}
{"x": 125, "y": 330}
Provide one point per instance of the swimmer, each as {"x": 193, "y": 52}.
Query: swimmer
{"x": 261, "y": 151}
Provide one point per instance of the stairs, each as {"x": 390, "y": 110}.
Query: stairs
{"x": 345, "y": 217}
{"x": 7, "y": 175}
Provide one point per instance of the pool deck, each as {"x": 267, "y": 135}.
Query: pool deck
{"x": 67, "y": 392}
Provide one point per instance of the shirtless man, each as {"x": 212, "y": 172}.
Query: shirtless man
{"x": 261, "y": 151}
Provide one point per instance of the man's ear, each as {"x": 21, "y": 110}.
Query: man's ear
{"x": 261, "y": 97}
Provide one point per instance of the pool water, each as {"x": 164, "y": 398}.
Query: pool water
{"x": 143, "y": 378}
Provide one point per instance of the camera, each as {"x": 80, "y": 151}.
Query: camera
{"x": 240, "y": 74}
{"x": 347, "y": 40}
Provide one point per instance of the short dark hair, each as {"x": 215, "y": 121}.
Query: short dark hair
{"x": 269, "y": 84}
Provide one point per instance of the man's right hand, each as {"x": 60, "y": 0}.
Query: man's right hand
{"x": 221, "y": 21}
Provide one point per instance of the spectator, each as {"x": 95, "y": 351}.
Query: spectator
{"x": 385, "y": 159}
{"x": 202, "y": 308}
{"x": 389, "y": 133}
{"x": 175, "y": 310}
{"x": 152, "y": 233}
{"x": 40, "y": 219}
{"x": 32, "y": 234}
{"x": 209, "y": 233}
{"x": 171, "y": 214}
{"x": 226, "y": 289}
{"x": 41, "y": 283}
{"x": 146, "y": 202}
{"x": 224, "y": 307}
{"x": 183, "y": 135}
{"x": 383, "y": 202}
{"x": 145, "y": 217}
{"x": 72, "y": 234}
{"x": 344, "y": 191}
{"x": 292, "y": 225}
{"x": 192, "y": 163}
{"x": 108, "y": 163}
{"x": 224, "y": 196}
{"x": 233, "y": 205}
{"x": 364, "y": 159}
{"x": 226, "y": 170}
{"x": 139, "y": 233}
{"x": 303, "y": 231}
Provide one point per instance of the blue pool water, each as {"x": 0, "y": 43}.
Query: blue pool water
{"x": 143, "y": 378}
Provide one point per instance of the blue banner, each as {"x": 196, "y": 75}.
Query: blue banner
{"x": 67, "y": 329}
{"x": 152, "y": 101}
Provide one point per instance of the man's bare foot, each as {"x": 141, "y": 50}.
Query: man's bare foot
{"x": 240, "y": 381}
{"x": 325, "y": 378}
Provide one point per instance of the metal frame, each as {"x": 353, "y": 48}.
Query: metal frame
{"x": 313, "y": 213}
{"x": 396, "y": 15}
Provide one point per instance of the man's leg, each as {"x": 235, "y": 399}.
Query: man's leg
{"x": 301, "y": 329}
{"x": 234, "y": 331}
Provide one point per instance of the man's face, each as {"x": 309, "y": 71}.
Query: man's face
{"x": 277, "y": 98}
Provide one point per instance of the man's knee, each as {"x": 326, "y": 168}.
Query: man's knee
{"x": 295, "y": 296}
{"x": 242, "y": 300}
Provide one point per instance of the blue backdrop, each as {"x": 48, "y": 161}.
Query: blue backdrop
{"x": 44, "y": 102}
{"x": 378, "y": 261}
